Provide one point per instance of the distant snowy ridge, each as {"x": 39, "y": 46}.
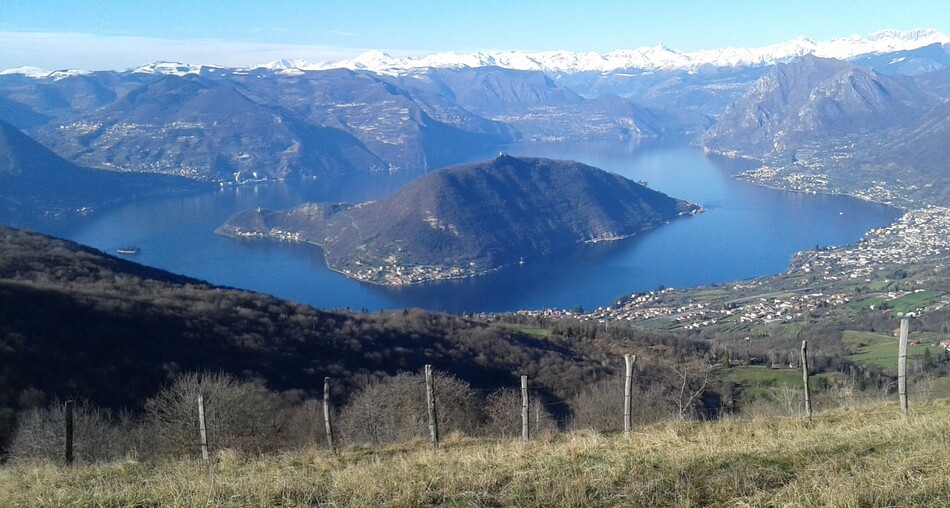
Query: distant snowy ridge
{"x": 653, "y": 58}
{"x": 568, "y": 62}
{"x": 161, "y": 67}
{"x": 36, "y": 72}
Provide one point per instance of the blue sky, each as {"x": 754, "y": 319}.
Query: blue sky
{"x": 123, "y": 33}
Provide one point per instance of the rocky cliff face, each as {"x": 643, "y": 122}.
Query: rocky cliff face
{"x": 813, "y": 100}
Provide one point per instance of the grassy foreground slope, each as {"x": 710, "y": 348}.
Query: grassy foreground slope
{"x": 867, "y": 456}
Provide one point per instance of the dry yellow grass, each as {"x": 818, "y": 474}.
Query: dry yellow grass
{"x": 868, "y": 456}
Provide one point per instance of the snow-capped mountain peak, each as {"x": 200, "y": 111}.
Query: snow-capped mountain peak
{"x": 290, "y": 67}
{"x": 372, "y": 60}
{"x": 652, "y": 58}
{"x": 37, "y": 73}
{"x": 284, "y": 64}
{"x": 26, "y": 70}
{"x": 927, "y": 35}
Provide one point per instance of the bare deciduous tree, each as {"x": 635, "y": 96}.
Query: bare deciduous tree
{"x": 600, "y": 406}
{"x": 305, "y": 425}
{"x": 394, "y": 409}
{"x": 239, "y": 415}
{"x": 503, "y": 416}
{"x": 692, "y": 379}
{"x": 97, "y": 435}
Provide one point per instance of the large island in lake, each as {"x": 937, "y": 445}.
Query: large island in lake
{"x": 468, "y": 220}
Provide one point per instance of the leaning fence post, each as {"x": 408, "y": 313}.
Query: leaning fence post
{"x": 629, "y": 360}
{"x": 525, "y": 432}
{"x": 201, "y": 427}
{"x": 805, "y": 378}
{"x": 902, "y": 366}
{"x": 430, "y": 402}
{"x": 326, "y": 412}
{"x": 69, "y": 432}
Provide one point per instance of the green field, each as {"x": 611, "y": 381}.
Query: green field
{"x": 881, "y": 350}
{"x": 531, "y": 330}
{"x": 913, "y": 301}
{"x": 768, "y": 384}
{"x": 866, "y": 338}
{"x": 899, "y": 306}
{"x": 764, "y": 376}
{"x": 866, "y": 303}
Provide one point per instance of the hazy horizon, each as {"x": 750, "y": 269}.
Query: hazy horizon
{"x": 83, "y": 35}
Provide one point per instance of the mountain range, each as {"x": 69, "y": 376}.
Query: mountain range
{"x": 647, "y": 58}
{"x": 821, "y": 124}
{"x": 468, "y": 220}
{"x": 653, "y": 58}
{"x": 800, "y": 102}
{"x": 376, "y": 116}
{"x": 228, "y": 125}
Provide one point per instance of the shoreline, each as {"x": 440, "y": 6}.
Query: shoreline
{"x": 762, "y": 165}
{"x": 384, "y": 284}
{"x": 234, "y": 232}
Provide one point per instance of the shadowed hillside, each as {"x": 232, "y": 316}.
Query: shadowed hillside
{"x": 77, "y": 323}
{"x": 36, "y": 182}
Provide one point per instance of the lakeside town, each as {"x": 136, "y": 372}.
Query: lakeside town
{"x": 810, "y": 179}
{"x": 817, "y": 168}
{"x": 390, "y": 272}
{"x": 817, "y": 279}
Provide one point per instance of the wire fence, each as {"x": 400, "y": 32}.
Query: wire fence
{"x": 538, "y": 420}
{"x": 397, "y": 413}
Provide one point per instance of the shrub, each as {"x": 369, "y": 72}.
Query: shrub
{"x": 600, "y": 406}
{"x": 97, "y": 435}
{"x": 503, "y": 416}
{"x": 239, "y": 415}
{"x": 394, "y": 409}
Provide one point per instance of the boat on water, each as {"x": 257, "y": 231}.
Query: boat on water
{"x": 128, "y": 250}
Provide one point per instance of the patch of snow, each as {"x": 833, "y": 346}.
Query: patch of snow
{"x": 172, "y": 68}
{"x": 30, "y": 72}
{"x": 58, "y": 75}
{"x": 37, "y": 73}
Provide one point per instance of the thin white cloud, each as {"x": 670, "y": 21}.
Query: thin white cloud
{"x": 96, "y": 52}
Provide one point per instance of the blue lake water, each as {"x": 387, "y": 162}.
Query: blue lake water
{"x": 746, "y": 231}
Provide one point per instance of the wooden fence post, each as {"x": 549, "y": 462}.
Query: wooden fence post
{"x": 902, "y": 366}
{"x": 430, "y": 402}
{"x": 69, "y": 432}
{"x": 805, "y": 378}
{"x": 202, "y": 428}
{"x": 525, "y": 432}
{"x": 629, "y": 360}
{"x": 326, "y": 412}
